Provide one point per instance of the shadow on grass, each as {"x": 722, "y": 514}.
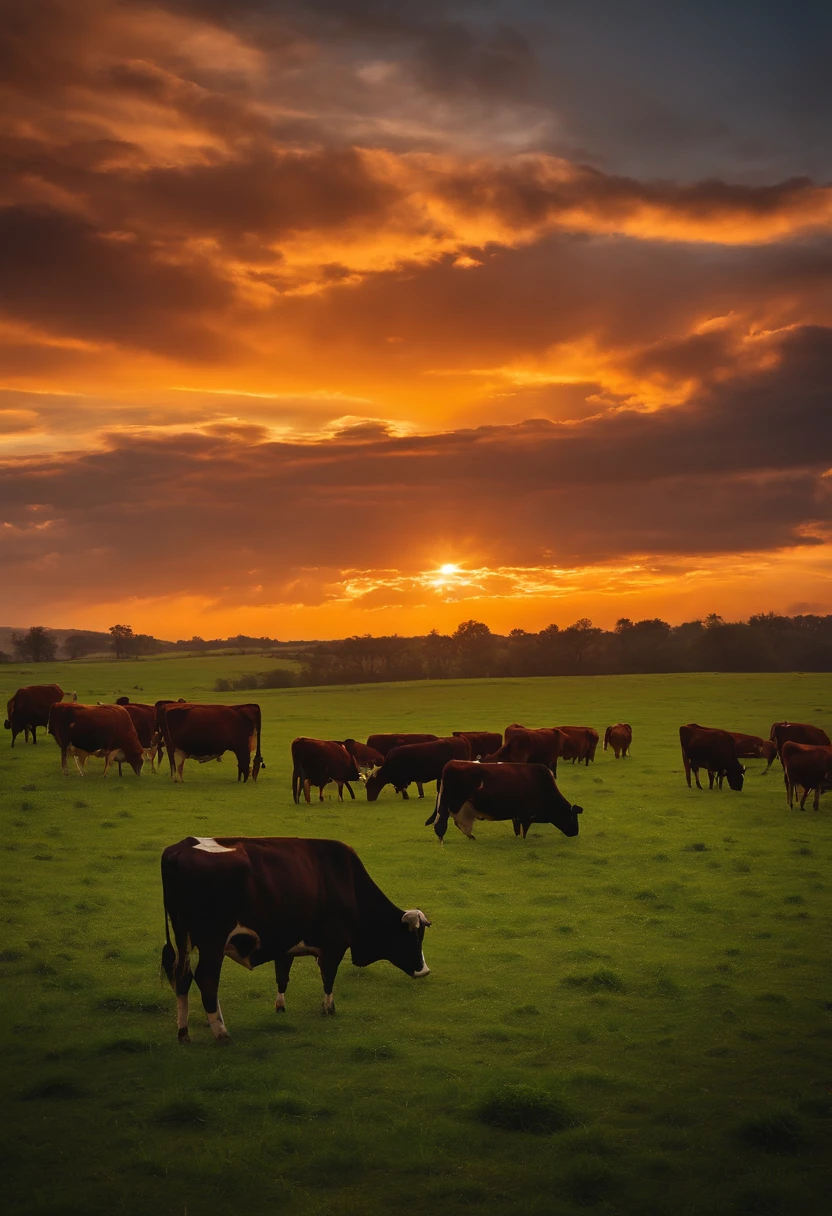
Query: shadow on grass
{"x": 779, "y": 1131}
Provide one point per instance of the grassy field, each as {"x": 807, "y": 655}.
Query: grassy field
{"x": 638, "y": 1020}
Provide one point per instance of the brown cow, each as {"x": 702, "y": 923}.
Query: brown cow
{"x": 258, "y": 900}
{"x": 483, "y": 742}
{"x": 144, "y": 720}
{"x": 95, "y": 730}
{"x": 619, "y": 738}
{"x": 386, "y": 743}
{"x": 807, "y": 766}
{"x": 317, "y": 762}
{"x": 160, "y": 722}
{"x": 416, "y": 762}
{"x": 714, "y": 750}
{"x": 29, "y": 708}
{"x": 524, "y": 746}
{"x": 524, "y": 793}
{"x": 366, "y": 758}
{"x": 797, "y": 732}
{"x": 752, "y": 747}
{"x": 206, "y": 732}
{"x": 581, "y": 742}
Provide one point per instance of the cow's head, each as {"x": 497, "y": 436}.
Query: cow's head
{"x": 397, "y": 940}
{"x": 7, "y": 725}
{"x": 409, "y": 954}
{"x": 735, "y": 773}
{"x": 566, "y": 819}
{"x": 374, "y": 784}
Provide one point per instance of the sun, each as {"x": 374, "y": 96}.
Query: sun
{"x": 449, "y": 568}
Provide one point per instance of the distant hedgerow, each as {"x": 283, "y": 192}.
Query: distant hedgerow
{"x": 279, "y": 678}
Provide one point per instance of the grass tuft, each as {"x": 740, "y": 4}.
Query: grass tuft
{"x": 697, "y": 847}
{"x": 599, "y": 981}
{"x": 51, "y": 1088}
{"x": 778, "y": 1131}
{"x": 522, "y": 1108}
{"x": 181, "y": 1112}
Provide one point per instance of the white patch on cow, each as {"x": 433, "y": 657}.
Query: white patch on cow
{"x": 425, "y": 970}
{"x": 414, "y": 919}
{"x": 329, "y": 1003}
{"x": 465, "y": 818}
{"x": 80, "y": 759}
{"x": 179, "y": 759}
{"x": 218, "y": 1026}
{"x": 280, "y": 1001}
{"x": 209, "y": 845}
{"x": 301, "y": 950}
{"x": 231, "y": 951}
{"x": 182, "y": 1012}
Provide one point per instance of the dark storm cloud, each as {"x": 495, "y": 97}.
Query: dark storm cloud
{"x": 737, "y": 469}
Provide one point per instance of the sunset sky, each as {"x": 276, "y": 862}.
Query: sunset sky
{"x": 332, "y": 317}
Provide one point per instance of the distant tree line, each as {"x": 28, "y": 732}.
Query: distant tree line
{"x": 765, "y": 642}
{"x": 40, "y": 645}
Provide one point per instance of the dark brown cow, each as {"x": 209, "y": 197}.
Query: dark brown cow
{"x": 419, "y": 762}
{"x": 317, "y": 762}
{"x": 483, "y": 742}
{"x": 29, "y": 708}
{"x": 797, "y": 732}
{"x": 386, "y": 743}
{"x": 160, "y": 707}
{"x": 366, "y": 758}
{"x": 581, "y": 742}
{"x": 619, "y": 738}
{"x": 752, "y": 747}
{"x": 806, "y": 766}
{"x": 95, "y": 730}
{"x": 258, "y": 900}
{"x": 524, "y": 746}
{"x": 523, "y": 793}
{"x": 144, "y": 720}
{"x": 206, "y": 732}
{"x": 714, "y": 750}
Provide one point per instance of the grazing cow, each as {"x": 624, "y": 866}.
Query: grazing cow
{"x": 714, "y": 750}
{"x": 206, "y": 732}
{"x": 752, "y": 747}
{"x": 259, "y": 900}
{"x": 619, "y": 738}
{"x": 807, "y": 766}
{"x": 29, "y": 708}
{"x": 317, "y": 762}
{"x": 144, "y": 720}
{"x": 581, "y": 742}
{"x": 797, "y": 732}
{"x": 524, "y": 793}
{"x": 95, "y": 730}
{"x": 523, "y": 746}
{"x": 419, "y": 762}
{"x": 483, "y": 742}
{"x": 366, "y": 758}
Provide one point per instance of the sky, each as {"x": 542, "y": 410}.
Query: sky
{"x": 321, "y": 318}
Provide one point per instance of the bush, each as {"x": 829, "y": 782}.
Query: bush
{"x": 521, "y": 1108}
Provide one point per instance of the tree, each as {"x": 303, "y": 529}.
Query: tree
{"x": 581, "y": 636}
{"x": 122, "y": 640}
{"x": 79, "y": 645}
{"x": 475, "y": 645}
{"x": 37, "y": 645}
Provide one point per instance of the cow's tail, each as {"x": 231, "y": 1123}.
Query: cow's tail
{"x": 7, "y": 725}
{"x": 169, "y": 748}
{"x": 259, "y": 762}
{"x": 607, "y": 733}
{"x": 432, "y": 817}
{"x": 175, "y": 961}
{"x": 297, "y": 782}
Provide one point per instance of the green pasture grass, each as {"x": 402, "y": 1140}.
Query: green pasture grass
{"x": 636, "y": 1021}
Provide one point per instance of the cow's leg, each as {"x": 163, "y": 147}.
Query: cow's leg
{"x": 516, "y": 826}
{"x": 686, "y": 762}
{"x": 349, "y": 791}
{"x": 320, "y": 793}
{"x": 420, "y": 788}
{"x": 806, "y": 789}
{"x": 307, "y": 790}
{"x": 405, "y": 794}
{"x": 696, "y": 775}
{"x": 26, "y": 734}
{"x": 711, "y": 775}
{"x": 80, "y": 759}
{"x": 207, "y": 976}
{"x": 329, "y": 962}
{"x": 789, "y": 790}
{"x": 282, "y": 967}
{"x": 183, "y": 985}
{"x": 177, "y": 765}
{"x": 816, "y": 799}
{"x": 64, "y": 768}
{"x": 34, "y": 734}
{"x": 243, "y": 765}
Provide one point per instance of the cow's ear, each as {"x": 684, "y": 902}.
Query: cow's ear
{"x": 415, "y": 919}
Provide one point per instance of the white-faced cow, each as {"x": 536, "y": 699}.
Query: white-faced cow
{"x": 260, "y": 900}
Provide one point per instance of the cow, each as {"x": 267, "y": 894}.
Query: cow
{"x": 95, "y": 730}
{"x": 751, "y": 747}
{"x": 160, "y": 707}
{"x": 317, "y": 762}
{"x": 715, "y": 750}
{"x": 366, "y": 758}
{"x": 206, "y": 732}
{"x": 257, "y": 900}
{"x": 581, "y": 742}
{"x": 419, "y": 762}
{"x": 807, "y": 766}
{"x": 797, "y": 732}
{"x": 144, "y": 720}
{"x": 619, "y": 738}
{"x": 524, "y": 793}
{"x": 386, "y": 743}
{"x": 483, "y": 742}
{"x": 524, "y": 746}
{"x": 29, "y": 708}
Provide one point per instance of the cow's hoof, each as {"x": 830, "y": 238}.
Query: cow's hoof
{"x": 280, "y": 1008}
{"x": 327, "y": 1010}
{"x": 183, "y": 1036}
{"x": 224, "y": 1038}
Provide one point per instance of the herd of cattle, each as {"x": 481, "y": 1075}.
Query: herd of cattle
{"x": 258, "y": 900}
